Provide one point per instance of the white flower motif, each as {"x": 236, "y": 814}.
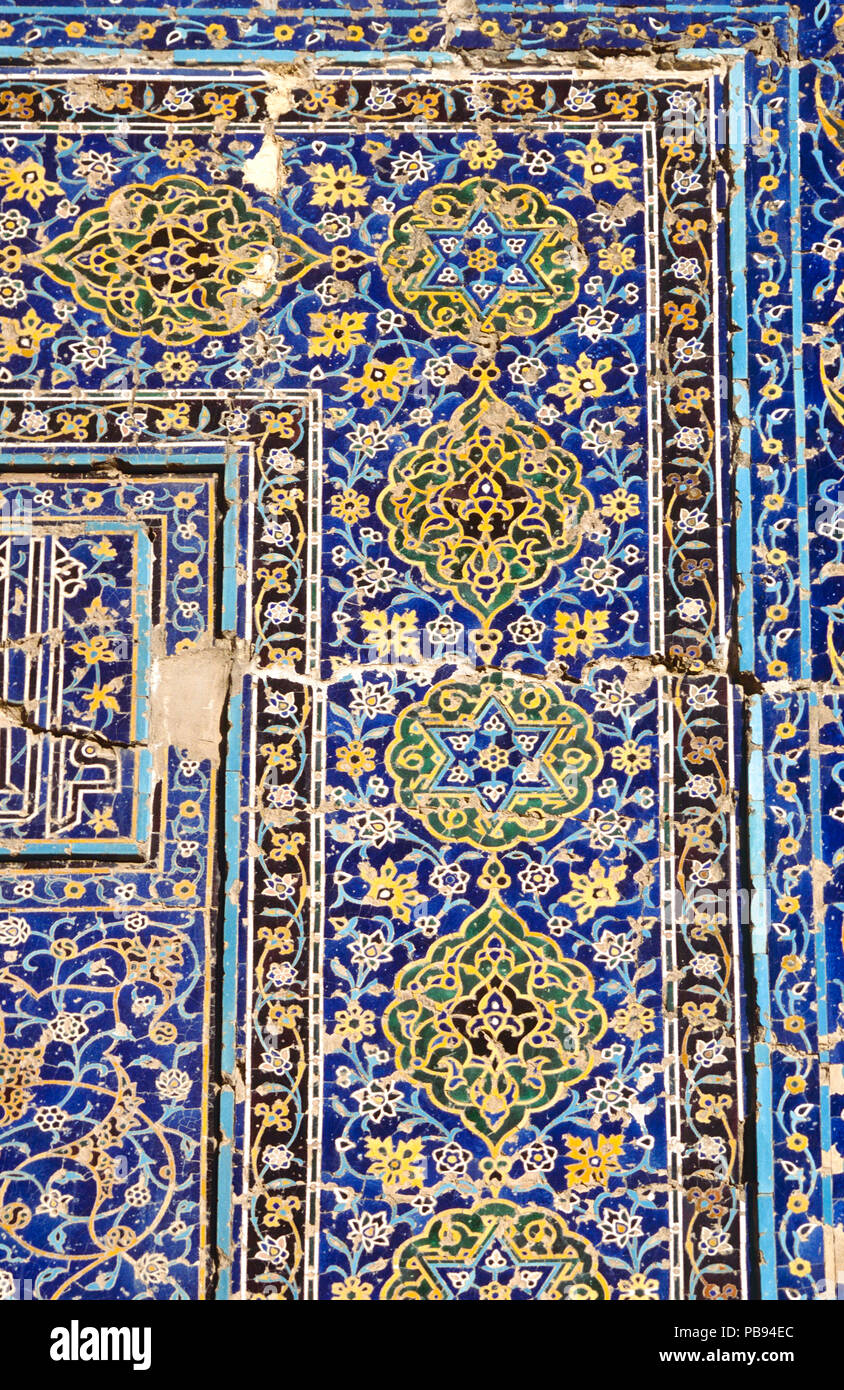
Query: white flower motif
{"x": 173, "y": 1084}
{"x": 14, "y": 931}
{"x": 370, "y": 1229}
{"x": 67, "y": 1028}
{"x": 449, "y": 879}
{"x": 620, "y": 1227}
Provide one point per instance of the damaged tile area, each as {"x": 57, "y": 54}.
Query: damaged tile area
{"x": 420, "y": 816}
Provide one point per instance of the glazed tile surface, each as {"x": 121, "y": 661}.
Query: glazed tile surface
{"x": 420, "y": 560}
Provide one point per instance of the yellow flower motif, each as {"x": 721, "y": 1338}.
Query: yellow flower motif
{"x": 336, "y": 184}
{"x": 23, "y": 337}
{"x": 631, "y": 757}
{"x": 592, "y": 1163}
{"x": 633, "y": 1019}
{"x": 283, "y": 1015}
{"x": 616, "y": 258}
{"x": 349, "y": 506}
{"x": 382, "y": 380}
{"x": 580, "y": 632}
{"x": 104, "y": 549}
{"x": 101, "y": 821}
{"x": 711, "y": 1108}
{"x": 691, "y": 398}
{"x": 395, "y": 635}
{"x": 283, "y": 32}
{"x": 95, "y": 649}
{"x": 798, "y": 1202}
{"x": 27, "y": 180}
{"x": 594, "y": 889}
{"x": 176, "y": 366}
{"x": 482, "y": 258}
{"x": 623, "y": 104}
{"x": 74, "y": 890}
{"x": 354, "y": 1022}
{"x": 181, "y": 154}
{"x": 481, "y": 154}
{"x": 97, "y": 613}
{"x": 496, "y": 1293}
{"x": 391, "y": 890}
{"x": 603, "y": 165}
{"x": 352, "y": 1289}
{"x": 586, "y": 379}
{"x": 422, "y": 103}
{"x": 176, "y": 417}
{"x": 639, "y": 1287}
{"x": 620, "y": 505}
{"x": 399, "y": 1165}
{"x": 519, "y": 99}
{"x": 335, "y": 333}
{"x": 279, "y": 755}
{"x": 797, "y": 1143}
{"x": 355, "y": 757}
{"x": 221, "y": 104}
{"x": 278, "y": 1209}
{"x": 100, "y": 697}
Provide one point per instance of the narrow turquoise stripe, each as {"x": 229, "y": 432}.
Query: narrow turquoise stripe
{"x": 225, "y": 1177}
{"x": 761, "y": 971}
{"x": 765, "y": 1173}
{"x": 80, "y": 847}
{"x": 229, "y": 992}
{"x": 799, "y": 380}
{"x": 145, "y": 780}
{"x": 231, "y": 522}
{"x": 237, "y": 465}
{"x": 143, "y": 672}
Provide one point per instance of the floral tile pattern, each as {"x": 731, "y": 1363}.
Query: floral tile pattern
{"x": 419, "y": 728}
